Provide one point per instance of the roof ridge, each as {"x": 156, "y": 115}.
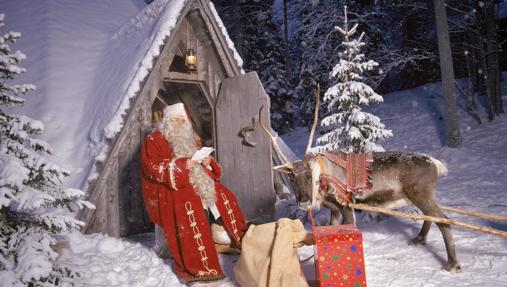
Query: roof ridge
{"x": 149, "y": 13}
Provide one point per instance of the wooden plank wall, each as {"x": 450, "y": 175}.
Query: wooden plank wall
{"x": 247, "y": 170}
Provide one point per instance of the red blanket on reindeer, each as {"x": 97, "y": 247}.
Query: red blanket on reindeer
{"x": 339, "y": 258}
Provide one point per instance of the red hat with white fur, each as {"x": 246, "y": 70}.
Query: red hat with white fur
{"x": 175, "y": 110}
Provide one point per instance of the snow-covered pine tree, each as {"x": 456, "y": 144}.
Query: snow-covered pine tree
{"x": 353, "y": 129}
{"x": 34, "y": 207}
{"x": 397, "y": 36}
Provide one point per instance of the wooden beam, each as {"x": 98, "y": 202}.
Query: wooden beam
{"x": 176, "y": 76}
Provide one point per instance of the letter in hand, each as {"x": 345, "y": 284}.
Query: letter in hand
{"x": 206, "y": 161}
{"x": 202, "y": 153}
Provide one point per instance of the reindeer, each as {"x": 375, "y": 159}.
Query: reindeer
{"x": 399, "y": 178}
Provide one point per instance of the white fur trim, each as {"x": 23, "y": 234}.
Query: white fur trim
{"x": 171, "y": 174}
{"x": 175, "y": 110}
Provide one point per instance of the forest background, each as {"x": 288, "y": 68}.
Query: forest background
{"x": 293, "y": 46}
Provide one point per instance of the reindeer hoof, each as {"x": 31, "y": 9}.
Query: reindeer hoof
{"x": 453, "y": 267}
{"x": 418, "y": 240}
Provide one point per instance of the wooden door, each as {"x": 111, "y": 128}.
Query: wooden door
{"x": 246, "y": 169}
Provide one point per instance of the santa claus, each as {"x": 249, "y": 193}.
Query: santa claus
{"x": 183, "y": 195}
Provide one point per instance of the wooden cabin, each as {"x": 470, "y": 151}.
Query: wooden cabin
{"x": 221, "y": 100}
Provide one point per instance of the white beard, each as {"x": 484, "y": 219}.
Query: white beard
{"x": 183, "y": 145}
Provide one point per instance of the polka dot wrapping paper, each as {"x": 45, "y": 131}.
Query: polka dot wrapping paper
{"x": 339, "y": 259}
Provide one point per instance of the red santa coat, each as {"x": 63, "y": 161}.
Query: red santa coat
{"x": 173, "y": 203}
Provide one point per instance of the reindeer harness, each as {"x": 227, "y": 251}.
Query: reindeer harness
{"x": 358, "y": 174}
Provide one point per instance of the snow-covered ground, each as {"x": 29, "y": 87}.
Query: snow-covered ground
{"x": 476, "y": 181}
{"x": 104, "y": 261}
{"x": 74, "y": 124}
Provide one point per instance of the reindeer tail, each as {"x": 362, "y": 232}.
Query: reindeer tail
{"x": 440, "y": 165}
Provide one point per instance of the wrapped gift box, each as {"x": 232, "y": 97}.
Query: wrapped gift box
{"x": 339, "y": 259}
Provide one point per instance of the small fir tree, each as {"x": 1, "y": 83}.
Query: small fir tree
{"x": 352, "y": 129}
{"x": 34, "y": 207}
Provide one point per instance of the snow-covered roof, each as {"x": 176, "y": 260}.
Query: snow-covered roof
{"x": 88, "y": 59}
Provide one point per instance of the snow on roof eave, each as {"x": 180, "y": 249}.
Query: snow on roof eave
{"x": 172, "y": 14}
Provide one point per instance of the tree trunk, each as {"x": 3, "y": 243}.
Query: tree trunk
{"x": 488, "y": 86}
{"x": 286, "y": 38}
{"x": 470, "y": 95}
{"x": 447, "y": 71}
{"x": 493, "y": 59}
{"x": 484, "y": 47}
{"x": 472, "y": 78}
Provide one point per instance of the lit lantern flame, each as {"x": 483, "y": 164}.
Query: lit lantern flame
{"x": 191, "y": 60}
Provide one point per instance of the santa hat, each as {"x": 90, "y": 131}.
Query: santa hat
{"x": 175, "y": 110}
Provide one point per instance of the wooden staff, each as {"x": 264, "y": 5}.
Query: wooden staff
{"x": 315, "y": 119}
{"x": 430, "y": 218}
{"x": 473, "y": 213}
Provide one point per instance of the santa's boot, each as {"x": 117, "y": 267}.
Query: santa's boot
{"x": 222, "y": 240}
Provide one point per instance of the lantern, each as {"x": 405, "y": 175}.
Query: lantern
{"x": 191, "y": 60}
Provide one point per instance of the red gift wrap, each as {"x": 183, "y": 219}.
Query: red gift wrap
{"x": 339, "y": 258}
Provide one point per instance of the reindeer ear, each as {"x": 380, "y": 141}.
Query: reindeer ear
{"x": 282, "y": 169}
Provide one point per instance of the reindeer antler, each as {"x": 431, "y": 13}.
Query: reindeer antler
{"x": 273, "y": 141}
{"x": 315, "y": 119}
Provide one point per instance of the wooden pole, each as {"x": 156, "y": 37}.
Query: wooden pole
{"x": 315, "y": 119}
{"x": 473, "y": 213}
{"x": 430, "y": 218}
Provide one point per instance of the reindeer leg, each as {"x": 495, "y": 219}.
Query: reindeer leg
{"x": 420, "y": 239}
{"x": 452, "y": 260}
{"x": 337, "y": 209}
{"x": 348, "y": 215}
{"x": 335, "y": 217}
{"x": 430, "y": 207}
{"x": 335, "y": 212}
